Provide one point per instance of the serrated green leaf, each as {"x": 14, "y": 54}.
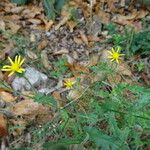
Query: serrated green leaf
{"x": 59, "y": 4}
{"x": 19, "y": 2}
{"x": 45, "y": 99}
{"x": 49, "y": 9}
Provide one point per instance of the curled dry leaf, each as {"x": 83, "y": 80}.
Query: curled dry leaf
{"x": 62, "y": 22}
{"x": 3, "y": 126}
{"x": 14, "y": 27}
{"x": 63, "y": 51}
{"x": 84, "y": 37}
{"x": 7, "y": 97}
{"x": 45, "y": 60}
{"x": 31, "y": 54}
{"x": 72, "y": 25}
{"x": 2, "y": 25}
{"x": 124, "y": 69}
{"x": 32, "y": 37}
{"x": 31, "y": 110}
{"x": 42, "y": 44}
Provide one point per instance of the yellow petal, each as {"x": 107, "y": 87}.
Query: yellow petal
{"x": 118, "y": 49}
{"x": 16, "y": 60}
{"x": 19, "y": 58}
{"x": 6, "y": 69}
{"x": 110, "y": 52}
{"x": 20, "y": 70}
{"x": 22, "y": 62}
{"x": 11, "y": 61}
{"x": 117, "y": 61}
{"x": 6, "y": 66}
{"x": 110, "y": 56}
{"x": 121, "y": 54}
{"x": 112, "y": 59}
{"x": 11, "y": 73}
{"x": 113, "y": 51}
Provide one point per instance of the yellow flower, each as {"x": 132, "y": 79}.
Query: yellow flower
{"x": 115, "y": 55}
{"x": 69, "y": 83}
{"x": 15, "y": 66}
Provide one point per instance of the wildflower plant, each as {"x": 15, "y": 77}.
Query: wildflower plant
{"x": 115, "y": 55}
{"x": 69, "y": 84}
{"x": 15, "y": 66}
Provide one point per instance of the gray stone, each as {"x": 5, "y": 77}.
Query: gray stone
{"x": 32, "y": 78}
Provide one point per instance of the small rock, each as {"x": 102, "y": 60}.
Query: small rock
{"x": 33, "y": 76}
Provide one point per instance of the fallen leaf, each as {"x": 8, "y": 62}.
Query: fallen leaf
{"x": 45, "y": 60}
{"x": 3, "y": 126}
{"x": 7, "y": 97}
{"x": 124, "y": 69}
{"x": 14, "y": 27}
{"x": 63, "y": 51}
{"x": 30, "y": 110}
{"x": 62, "y": 22}
{"x": 2, "y": 25}
{"x": 42, "y": 44}
{"x": 72, "y": 25}
{"x": 84, "y": 37}
{"x": 32, "y": 37}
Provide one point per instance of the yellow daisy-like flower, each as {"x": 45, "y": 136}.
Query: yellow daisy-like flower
{"x": 115, "y": 55}
{"x": 15, "y": 66}
{"x": 69, "y": 83}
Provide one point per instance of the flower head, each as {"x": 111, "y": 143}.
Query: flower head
{"x": 69, "y": 83}
{"x": 115, "y": 55}
{"x": 15, "y": 66}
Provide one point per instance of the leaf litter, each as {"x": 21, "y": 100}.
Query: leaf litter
{"x": 63, "y": 39}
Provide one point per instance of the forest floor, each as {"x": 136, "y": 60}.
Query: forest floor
{"x": 84, "y": 79}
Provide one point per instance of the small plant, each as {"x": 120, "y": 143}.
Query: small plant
{"x": 59, "y": 68}
{"x": 15, "y": 66}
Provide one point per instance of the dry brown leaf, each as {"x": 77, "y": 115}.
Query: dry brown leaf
{"x": 77, "y": 68}
{"x": 31, "y": 54}
{"x": 3, "y": 126}
{"x": 30, "y": 110}
{"x": 17, "y": 10}
{"x": 72, "y": 25}
{"x": 2, "y": 25}
{"x": 13, "y": 27}
{"x": 42, "y": 44}
{"x": 124, "y": 69}
{"x": 105, "y": 17}
{"x": 94, "y": 59}
{"x": 7, "y": 97}
{"x": 84, "y": 37}
{"x": 57, "y": 95}
{"x": 78, "y": 40}
{"x": 63, "y": 51}
{"x": 31, "y": 11}
{"x": 62, "y": 22}
{"x": 48, "y": 25}
{"x": 45, "y": 60}
{"x": 32, "y": 37}
{"x": 35, "y": 21}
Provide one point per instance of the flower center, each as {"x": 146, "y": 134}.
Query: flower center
{"x": 115, "y": 55}
{"x": 15, "y": 67}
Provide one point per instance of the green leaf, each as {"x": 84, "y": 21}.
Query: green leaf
{"x": 45, "y": 99}
{"x": 102, "y": 140}
{"x": 49, "y": 9}
{"x": 59, "y": 4}
{"x": 64, "y": 142}
{"x": 19, "y": 2}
